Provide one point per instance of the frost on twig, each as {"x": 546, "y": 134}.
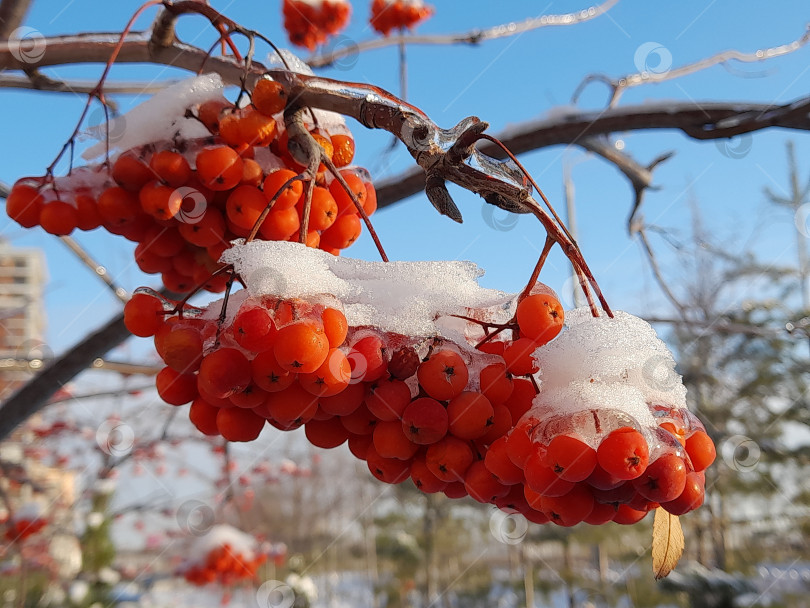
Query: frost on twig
{"x": 473, "y": 37}
{"x": 622, "y": 83}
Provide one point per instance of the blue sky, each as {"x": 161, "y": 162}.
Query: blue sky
{"x": 504, "y": 82}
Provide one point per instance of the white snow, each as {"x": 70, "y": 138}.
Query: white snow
{"x": 160, "y": 117}
{"x": 401, "y": 297}
{"x": 331, "y": 122}
{"x": 240, "y": 543}
{"x": 602, "y": 364}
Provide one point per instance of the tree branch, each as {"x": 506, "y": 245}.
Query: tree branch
{"x": 698, "y": 120}
{"x": 619, "y": 85}
{"x": 46, "y": 83}
{"x": 473, "y": 37}
{"x": 34, "y": 395}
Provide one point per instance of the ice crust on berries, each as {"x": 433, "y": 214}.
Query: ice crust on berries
{"x": 401, "y": 297}
{"x": 160, "y": 117}
{"x": 602, "y": 364}
{"x": 331, "y": 122}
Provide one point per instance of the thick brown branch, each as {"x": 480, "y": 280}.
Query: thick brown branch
{"x": 699, "y": 120}
{"x": 34, "y": 395}
{"x": 137, "y": 48}
{"x": 473, "y": 37}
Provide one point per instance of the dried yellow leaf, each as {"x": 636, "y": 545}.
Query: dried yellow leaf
{"x": 667, "y": 543}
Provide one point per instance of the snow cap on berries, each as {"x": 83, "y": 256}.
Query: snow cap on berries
{"x": 616, "y": 366}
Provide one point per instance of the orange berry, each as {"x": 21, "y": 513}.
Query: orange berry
{"x": 210, "y": 111}
{"x": 58, "y": 217}
{"x": 203, "y": 415}
{"x": 274, "y": 182}
{"x": 301, "y": 347}
{"x": 444, "y": 375}
{"x": 268, "y": 374}
{"x": 159, "y": 200}
{"x": 252, "y": 173}
{"x": 143, "y": 315}
{"x": 244, "y": 206}
{"x": 269, "y": 97}
{"x": 342, "y": 198}
{"x": 171, "y": 167}
{"x": 335, "y": 326}
{"x": 323, "y": 211}
{"x": 540, "y": 317}
{"x": 219, "y": 167}
{"x": 519, "y": 357}
{"x": 280, "y": 224}
{"x": 332, "y": 377}
{"x": 224, "y": 371}
{"x": 342, "y": 233}
{"x": 130, "y": 172}
{"x": 343, "y": 146}
{"x": 176, "y": 388}
{"x": 88, "y": 217}
{"x": 239, "y": 424}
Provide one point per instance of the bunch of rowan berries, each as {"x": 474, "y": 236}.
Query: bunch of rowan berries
{"x": 457, "y": 418}
{"x": 184, "y": 201}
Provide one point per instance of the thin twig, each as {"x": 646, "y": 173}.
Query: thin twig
{"x": 99, "y": 270}
{"x": 621, "y": 84}
{"x": 473, "y": 37}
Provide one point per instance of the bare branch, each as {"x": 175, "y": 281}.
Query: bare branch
{"x": 34, "y": 395}
{"x": 619, "y": 85}
{"x": 656, "y": 270}
{"x": 724, "y": 326}
{"x": 473, "y": 37}
{"x": 99, "y": 270}
{"x": 82, "y": 87}
{"x": 699, "y": 120}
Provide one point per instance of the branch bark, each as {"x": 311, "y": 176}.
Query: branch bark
{"x": 698, "y": 120}
{"x": 34, "y": 395}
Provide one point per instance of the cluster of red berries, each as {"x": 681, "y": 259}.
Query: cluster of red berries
{"x": 184, "y": 201}
{"x": 453, "y": 418}
{"x": 311, "y": 22}
{"x": 621, "y": 479}
{"x": 225, "y": 566}
{"x": 389, "y": 15}
{"x": 18, "y": 529}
